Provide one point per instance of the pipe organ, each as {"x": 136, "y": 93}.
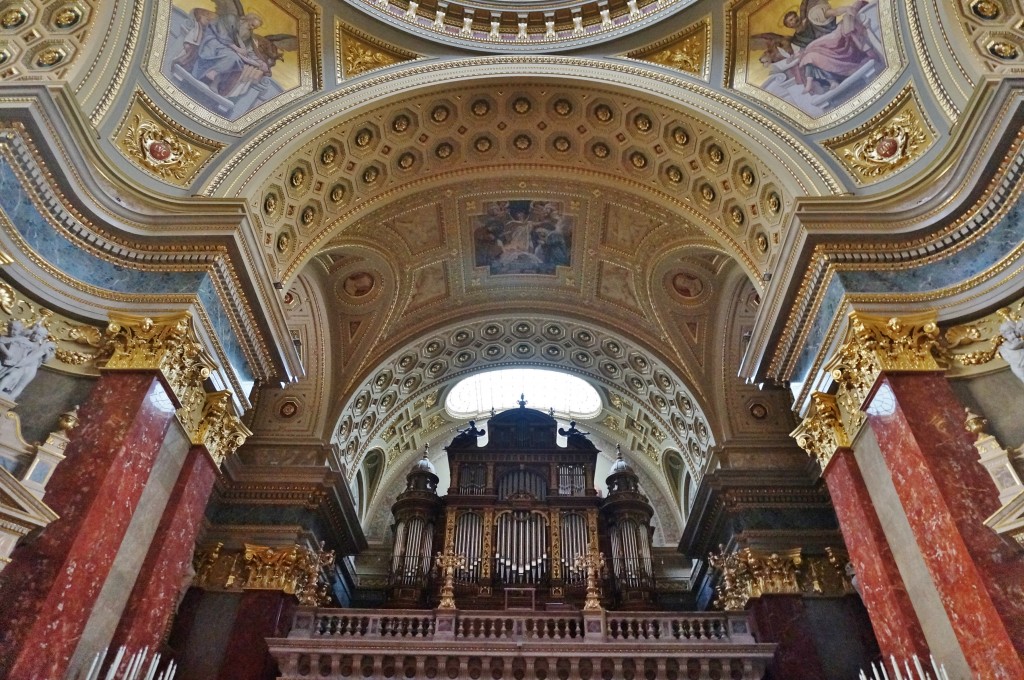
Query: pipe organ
{"x": 520, "y": 509}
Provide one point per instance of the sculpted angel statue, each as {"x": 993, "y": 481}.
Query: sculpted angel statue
{"x": 22, "y": 351}
{"x": 223, "y": 51}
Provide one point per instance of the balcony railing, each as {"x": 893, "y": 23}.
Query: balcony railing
{"x": 517, "y": 645}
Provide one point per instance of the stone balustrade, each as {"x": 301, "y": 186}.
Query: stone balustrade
{"x": 520, "y": 645}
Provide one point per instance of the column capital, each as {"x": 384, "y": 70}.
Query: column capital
{"x": 167, "y": 344}
{"x": 220, "y": 429}
{"x": 875, "y": 344}
{"x": 821, "y": 433}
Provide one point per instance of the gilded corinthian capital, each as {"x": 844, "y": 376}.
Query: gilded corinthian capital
{"x": 167, "y": 344}
{"x": 220, "y": 430}
{"x": 875, "y": 344}
{"x": 822, "y": 433}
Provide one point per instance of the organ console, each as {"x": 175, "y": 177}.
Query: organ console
{"x": 519, "y": 513}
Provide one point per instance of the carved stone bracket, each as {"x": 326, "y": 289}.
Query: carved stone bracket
{"x": 875, "y": 344}
{"x": 293, "y": 570}
{"x": 746, "y": 574}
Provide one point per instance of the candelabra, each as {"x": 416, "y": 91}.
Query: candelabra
{"x": 447, "y": 563}
{"x": 592, "y": 564}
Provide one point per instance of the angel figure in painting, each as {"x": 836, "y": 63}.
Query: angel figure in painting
{"x": 222, "y": 52}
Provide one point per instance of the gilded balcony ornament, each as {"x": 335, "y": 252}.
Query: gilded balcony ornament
{"x": 822, "y": 433}
{"x": 219, "y": 429}
{"x": 167, "y": 344}
{"x": 875, "y": 344}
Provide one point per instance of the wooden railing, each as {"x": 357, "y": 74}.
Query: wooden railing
{"x": 450, "y": 644}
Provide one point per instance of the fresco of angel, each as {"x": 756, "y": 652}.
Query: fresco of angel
{"x": 224, "y": 58}
{"x": 522, "y": 237}
{"x": 823, "y": 55}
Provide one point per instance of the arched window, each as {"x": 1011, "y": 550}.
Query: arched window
{"x": 569, "y": 396}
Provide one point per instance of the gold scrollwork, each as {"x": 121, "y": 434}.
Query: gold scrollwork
{"x": 158, "y": 149}
{"x": 361, "y": 53}
{"x": 167, "y": 344}
{"x": 293, "y": 570}
{"x": 887, "y": 143}
{"x": 821, "y": 433}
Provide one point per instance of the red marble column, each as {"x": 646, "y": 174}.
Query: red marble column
{"x": 155, "y": 595}
{"x": 946, "y": 495}
{"x": 261, "y": 614}
{"x": 53, "y": 582}
{"x": 781, "y": 619}
{"x": 897, "y": 628}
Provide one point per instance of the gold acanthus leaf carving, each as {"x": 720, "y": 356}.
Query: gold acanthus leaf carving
{"x": 167, "y": 344}
{"x": 821, "y": 432}
{"x": 159, "y": 149}
{"x": 294, "y": 570}
{"x": 220, "y": 429}
{"x": 686, "y": 52}
{"x": 875, "y": 344}
{"x": 746, "y": 574}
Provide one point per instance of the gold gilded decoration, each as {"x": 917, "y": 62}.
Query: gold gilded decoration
{"x": 67, "y": 17}
{"x": 160, "y": 146}
{"x": 986, "y": 9}
{"x": 293, "y": 570}
{"x": 220, "y": 430}
{"x": 50, "y": 57}
{"x": 821, "y": 433}
{"x": 1003, "y": 50}
{"x": 875, "y": 344}
{"x": 167, "y": 344}
{"x": 592, "y": 563}
{"x": 686, "y": 51}
{"x": 12, "y": 18}
{"x": 891, "y": 141}
{"x": 360, "y": 53}
{"x": 71, "y": 338}
{"x": 747, "y": 574}
{"x": 447, "y": 563}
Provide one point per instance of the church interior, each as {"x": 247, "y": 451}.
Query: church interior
{"x": 512, "y": 339}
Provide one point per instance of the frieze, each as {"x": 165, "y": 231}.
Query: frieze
{"x": 746, "y": 574}
{"x": 293, "y": 570}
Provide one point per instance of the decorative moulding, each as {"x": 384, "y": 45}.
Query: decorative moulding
{"x": 890, "y": 142}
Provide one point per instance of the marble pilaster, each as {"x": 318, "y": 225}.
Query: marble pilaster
{"x": 885, "y": 597}
{"x": 947, "y": 495}
{"x": 167, "y": 568}
{"x": 53, "y": 582}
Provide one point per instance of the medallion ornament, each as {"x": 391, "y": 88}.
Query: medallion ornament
{"x": 159, "y": 146}
{"x": 888, "y": 143}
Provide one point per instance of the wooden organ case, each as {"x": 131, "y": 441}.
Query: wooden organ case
{"x": 520, "y": 509}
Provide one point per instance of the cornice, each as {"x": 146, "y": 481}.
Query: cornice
{"x": 936, "y": 212}
{"x": 140, "y": 230}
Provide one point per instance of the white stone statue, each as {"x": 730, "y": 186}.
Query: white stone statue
{"x": 1012, "y": 349}
{"x": 22, "y": 351}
